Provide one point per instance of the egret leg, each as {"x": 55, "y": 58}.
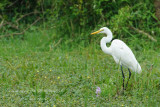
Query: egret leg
{"x": 129, "y": 76}
{"x": 123, "y": 76}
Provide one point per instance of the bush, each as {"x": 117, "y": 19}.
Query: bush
{"x": 72, "y": 18}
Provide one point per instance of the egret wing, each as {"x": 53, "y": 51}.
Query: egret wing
{"x": 122, "y": 54}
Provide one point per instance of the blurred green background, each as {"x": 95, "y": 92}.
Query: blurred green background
{"x": 49, "y": 58}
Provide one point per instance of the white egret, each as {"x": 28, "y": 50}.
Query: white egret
{"x": 120, "y": 52}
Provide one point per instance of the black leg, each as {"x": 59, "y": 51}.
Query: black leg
{"x": 129, "y": 76}
{"x": 123, "y": 76}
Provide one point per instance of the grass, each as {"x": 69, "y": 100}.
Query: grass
{"x": 37, "y": 71}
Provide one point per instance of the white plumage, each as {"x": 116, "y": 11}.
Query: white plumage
{"x": 121, "y": 53}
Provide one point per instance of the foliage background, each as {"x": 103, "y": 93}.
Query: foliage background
{"x": 72, "y": 18}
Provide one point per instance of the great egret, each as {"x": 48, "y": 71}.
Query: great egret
{"x": 120, "y": 52}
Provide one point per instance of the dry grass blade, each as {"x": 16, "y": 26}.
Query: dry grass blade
{"x": 144, "y": 33}
{"x": 20, "y": 33}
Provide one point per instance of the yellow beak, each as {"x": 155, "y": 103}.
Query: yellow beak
{"x": 96, "y": 32}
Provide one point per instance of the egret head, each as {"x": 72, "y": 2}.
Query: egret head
{"x": 101, "y": 30}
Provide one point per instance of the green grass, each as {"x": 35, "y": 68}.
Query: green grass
{"x": 37, "y": 71}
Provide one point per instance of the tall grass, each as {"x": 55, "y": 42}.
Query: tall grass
{"x": 40, "y": 70}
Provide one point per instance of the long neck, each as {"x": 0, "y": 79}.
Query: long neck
{"x": 105, "y": 40}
